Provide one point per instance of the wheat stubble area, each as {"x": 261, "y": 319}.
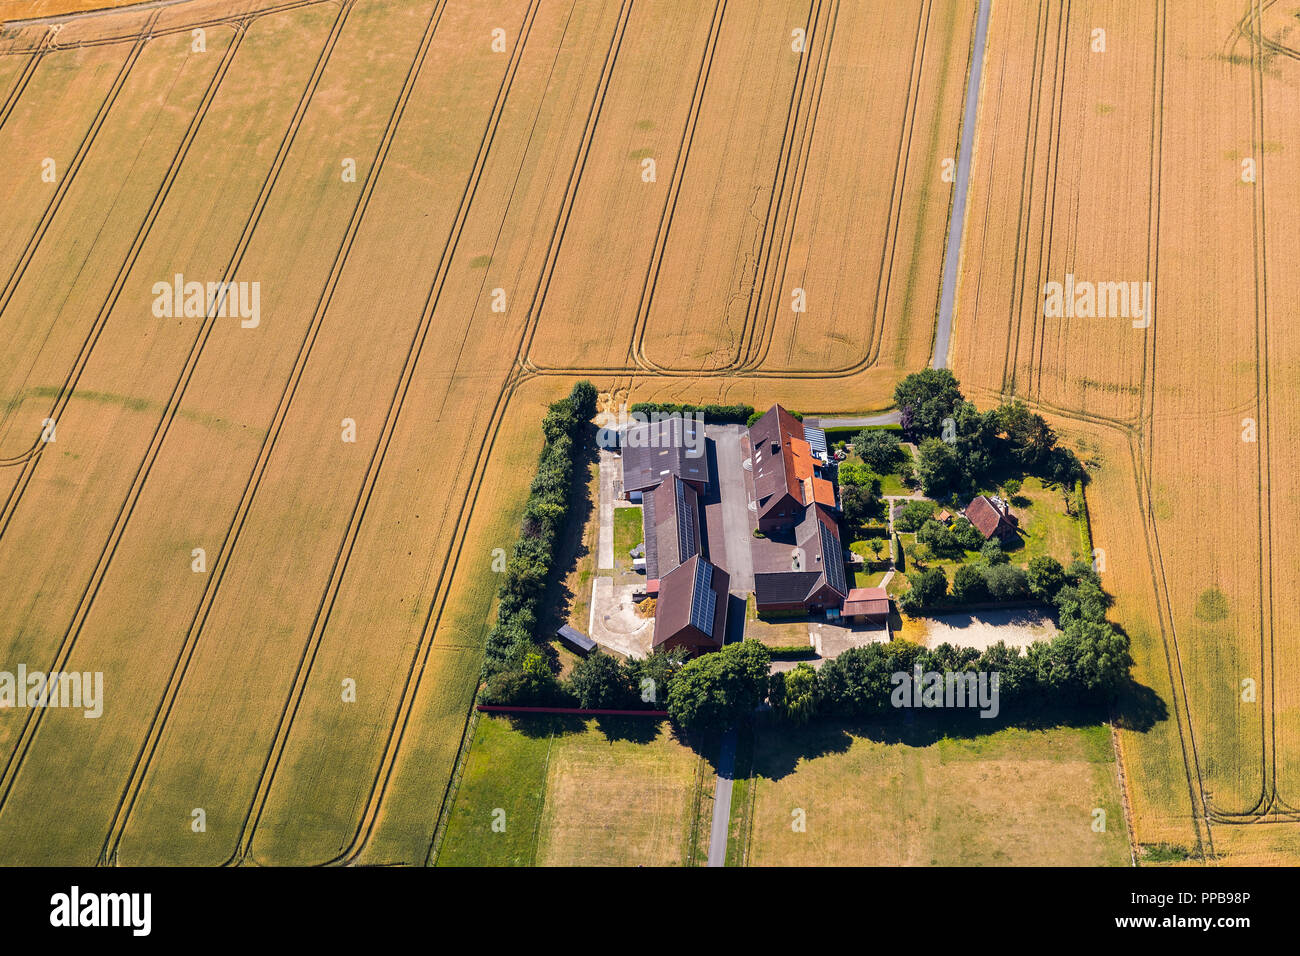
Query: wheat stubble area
{"x": 429, "y": 217}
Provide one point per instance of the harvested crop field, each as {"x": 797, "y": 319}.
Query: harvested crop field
{"x": 271, "y": 530}
{"x": 1163, "y": 158}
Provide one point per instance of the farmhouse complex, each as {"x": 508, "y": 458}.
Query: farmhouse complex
{"x": 793, "y": 537}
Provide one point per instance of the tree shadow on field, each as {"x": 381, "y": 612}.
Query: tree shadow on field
{"x": 1139, "y": 708}
{"x": 780, "y": 746}
{"x": 636, "y": 730}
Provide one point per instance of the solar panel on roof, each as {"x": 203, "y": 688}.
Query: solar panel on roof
{"x": 704, "y": 602}
{"x": 832, "y": 560}
{"x": 686, "y": 544}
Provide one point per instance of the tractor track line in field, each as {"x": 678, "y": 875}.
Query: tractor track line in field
{"x": 788, "y": 176}
{"x": 69, "y": 176}
{"x": 239, "y": 19}
{"x": 1268, "y": 801}
{"x": 1026, "y": 203}
{"x": 33, "y": 719}
{"x": 198, "y": 622}
{"x": 307, "y": 658}
{"x": 775, "y": 257}
{"x": 19, "y": 87}
{"x": 69, "y": 384}
{"x": 756, "y": 355}
{"x": 1141, "y": 452}
{"x": 886, "y": 273}
{"x": 410, "y": 690}
{"x": 1027, "y": 299}
{"x": 1038, "y": 318}
{"x": 670, "y": 202}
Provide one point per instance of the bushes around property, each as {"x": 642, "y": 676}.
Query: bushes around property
{"x": 712, "y": 414}
{"x": 529, "y": 568}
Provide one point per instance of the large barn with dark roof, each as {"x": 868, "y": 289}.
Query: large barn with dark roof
{"x": 655, "y": 451}
{"x": 692, "y": 608}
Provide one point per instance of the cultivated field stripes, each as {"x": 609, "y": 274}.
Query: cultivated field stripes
{"x": 1216, "y": 755}
{"x": 187, "y": 17}
{"x": 33, "y": 719}
{"x": 14, "y": 92}
{"x": 914, "y": 167}
{"x": 413, "y": 679}
{"x": 792, "y": 167}
{"x": 778, "y": 305}
{"x": 279, "y": 646}
{"x": 1269, "y": 801}
{"x": 1234, "y": 768}
{"x": 223, "y": 556}
{"x": 50, "y": 128}
{"x": 727, "y": 187}
{"x": 358, "y": 513}
{"x": 69, "y": 383}
{"x": 788, "y": 171}
{"x": 611, "y": 181}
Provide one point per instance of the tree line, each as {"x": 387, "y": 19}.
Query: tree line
{"x": 530, "y": 567}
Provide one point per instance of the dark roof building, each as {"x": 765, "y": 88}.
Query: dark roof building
{"x": 576, "y": 639}
{"x": 691, "y": 610}
{"x": 655, "y": 451}
{"x": 992, "y": 517}
{"x": 670, "y": 516}
{"x": 816, "y": 579}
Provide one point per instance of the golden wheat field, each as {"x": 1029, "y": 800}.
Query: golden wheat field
{"x": 1162, "y": 158}
{"x": 443, "y": 208}
{"x": 272, "y": 531}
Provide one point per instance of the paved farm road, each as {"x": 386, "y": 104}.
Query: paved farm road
{"x": 956, "y": 224}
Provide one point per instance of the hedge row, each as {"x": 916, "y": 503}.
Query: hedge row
{"x": 712, "y": 414}
{"x": 529, "y": 569}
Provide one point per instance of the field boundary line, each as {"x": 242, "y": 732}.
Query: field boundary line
{"x": 448, "y": 802}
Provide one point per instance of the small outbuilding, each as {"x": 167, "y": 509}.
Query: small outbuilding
{"x": 576, "y": 639}
{"x": 867, "y": 606}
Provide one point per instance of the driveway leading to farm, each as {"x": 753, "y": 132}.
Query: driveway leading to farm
{"x": 605, "y": 536}
{"x": 722, "y": 800}
{"x": 735, "y": 506}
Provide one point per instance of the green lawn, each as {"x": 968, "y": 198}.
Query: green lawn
{"x": 506, "y": 771}
{"x": 868, "y": 579}
{"x": 627, "y": 535}
{"x": 1046, "y": 527}
{"x": 567, "y": 791}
